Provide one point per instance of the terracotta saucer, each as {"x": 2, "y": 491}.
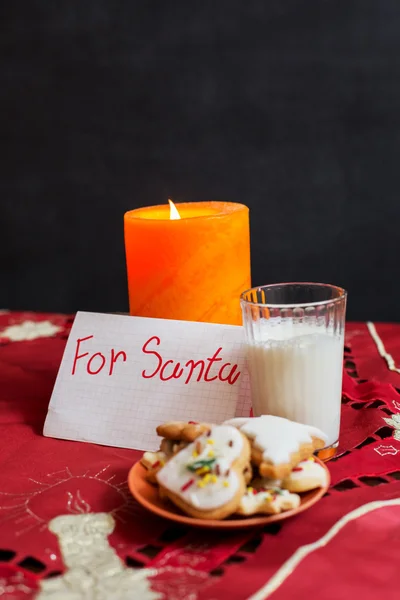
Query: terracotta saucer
{"x": 147, "y": 495}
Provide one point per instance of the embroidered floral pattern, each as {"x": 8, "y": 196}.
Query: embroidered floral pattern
{"x": 29, "y": 330}
{"x": 394, "y": 421}
{"x": 95, "y": 572}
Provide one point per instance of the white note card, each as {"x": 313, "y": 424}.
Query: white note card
{"x": 121, "y": 376}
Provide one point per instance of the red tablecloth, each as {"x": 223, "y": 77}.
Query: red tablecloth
{"x": 350, "y": 538}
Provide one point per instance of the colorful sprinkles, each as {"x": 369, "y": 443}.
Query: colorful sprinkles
{"x": 205, "y": 467}
{"x": 200, "y": 464}
{"x": 187, "y": 485}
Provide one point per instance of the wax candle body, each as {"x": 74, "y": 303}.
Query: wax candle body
{"x": 193, "y": 268}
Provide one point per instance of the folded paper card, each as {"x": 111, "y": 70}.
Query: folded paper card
{"x": 122, "y": 376}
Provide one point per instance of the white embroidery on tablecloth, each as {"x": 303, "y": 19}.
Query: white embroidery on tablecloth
{"x": 394, "y": 421}
{"x": 76, "y": 504}
{"x": 396, "y": 404}
{"x": 180, "y": 583}
{"x": 21, "y": 509}
{"x": 381, "y": 348}
{"x": 29, "y": 330}
{"x": 383, "y": 450}
{"x": 14, "y": 586}
{"x": 301, "y": 553}
{"x": 95, "y": 572}
{"x": 190, "y": 556}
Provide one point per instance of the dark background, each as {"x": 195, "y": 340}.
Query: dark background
{"x": 291, "y": 107}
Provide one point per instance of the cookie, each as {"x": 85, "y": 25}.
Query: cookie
{"x": 307, "y": 475}
{"x": 153, "y": 462}
{"x": 265, "y": 483}
{"x": 269, "y": 502}
{"x": 185, "y": 431}
{"x": 277, "y": 444}
{"x": 248, "y": 473}
{"x": 171, "y": 447}
{"x": 206, "y": 479}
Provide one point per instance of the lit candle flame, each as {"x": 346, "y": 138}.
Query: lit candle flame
{"x": 173, "y": 211}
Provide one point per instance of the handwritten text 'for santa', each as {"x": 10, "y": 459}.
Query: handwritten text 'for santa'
{"x": 208, "y": 369}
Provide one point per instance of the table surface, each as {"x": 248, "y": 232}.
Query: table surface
{"x": 351, "y": 537}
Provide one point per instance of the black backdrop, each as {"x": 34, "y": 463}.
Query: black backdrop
{"x": 291, "y": 107}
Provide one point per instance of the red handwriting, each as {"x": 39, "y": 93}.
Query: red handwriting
{"x": 97, "y": 360}
{"x": 199, "y": 370}
{"x": 209, "y": 369}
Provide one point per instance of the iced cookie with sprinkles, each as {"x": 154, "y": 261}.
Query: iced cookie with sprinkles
{"x": 182, "y": 431}
{"x": 171, "y": 446}
{"x": 206, "y": 479}
{"x": 277, "y": 444}
{"x": 267, "y": 501}
{"x": 307, "y": 475}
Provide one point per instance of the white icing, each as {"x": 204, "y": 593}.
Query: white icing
{"x": 276, "y": 437}
{"x": 227, "y": 446}
{"x": 267, "y": 502}
{"x": 151, "y": 458}
{"x": 310, "y": 470}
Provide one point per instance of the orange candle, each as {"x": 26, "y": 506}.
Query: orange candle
{"x": 188, "y": 265}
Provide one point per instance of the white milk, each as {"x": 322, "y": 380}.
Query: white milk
{"x": 296, "y": 372}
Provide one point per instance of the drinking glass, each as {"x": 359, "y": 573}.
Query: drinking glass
{"x": 295, "y": 338}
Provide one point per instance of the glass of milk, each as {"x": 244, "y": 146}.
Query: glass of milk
{"x": 295, "y": 338}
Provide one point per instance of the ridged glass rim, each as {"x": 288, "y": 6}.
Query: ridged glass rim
{"x": 342, "y": 295}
